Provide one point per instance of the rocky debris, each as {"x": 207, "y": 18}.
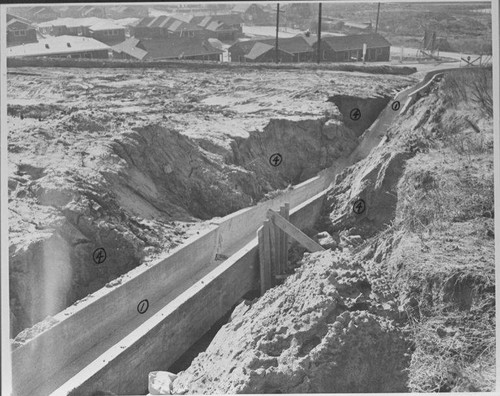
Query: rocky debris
{"x": 326, "y": 240}
{"x": 321, "y": 331}
{"x": 160, "y": 382}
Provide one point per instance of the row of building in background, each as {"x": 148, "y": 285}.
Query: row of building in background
{"x": 371, "y": 47}
{"x": 213, "y": 37}
{"x": 251, "y": 13}
{"x": 222, "y": 27}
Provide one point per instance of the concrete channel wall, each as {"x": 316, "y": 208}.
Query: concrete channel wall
{"x": 164, "y": 337}
{"x": 43, "y": 361}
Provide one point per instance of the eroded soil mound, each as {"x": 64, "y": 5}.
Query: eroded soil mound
{"x": 318, "y": 332}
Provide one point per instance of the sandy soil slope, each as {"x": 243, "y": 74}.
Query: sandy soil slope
{"x": 131, "y": 160}
{"x": 403, "y": 299}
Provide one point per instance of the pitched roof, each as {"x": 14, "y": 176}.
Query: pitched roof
{"x": 17, "y": 23}
{"x": 205, "y": 21}
{"x": 258, "y": 49}
{"x": 229, "y": 19}
{"x": 57, "y": 46}
{"x": 358, "y": 25}
{"x": 164, "y": 21}
{"x": 356, "y": 41}
{"x": 73, "y": 22}
{"x": 145, "y": 21}
{"x": 242, "y": 7}
{"x": 177, "y": 48}
{"x": 127, "y": 21}
{"x": 244, "y": 45}
{"x": 105, "y": 25}
{"x": 292, "y": 45}
{"x": 130, "y": 47}
{"x": 214, "y": 26}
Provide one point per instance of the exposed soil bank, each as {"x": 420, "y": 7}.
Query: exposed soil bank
{"x": 369, "y": 110}
{"x": 318, "y": 332}
{"x": 141, "y": 182}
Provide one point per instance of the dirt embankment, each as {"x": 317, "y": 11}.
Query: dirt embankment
{"x": 132, "y": 162}
{"x": 403, "y": 300}
{"x": 318, "y": 332}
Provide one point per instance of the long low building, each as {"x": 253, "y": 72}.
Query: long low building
{"x": 291, "y": 49}
{"x": 105, "y": 30}
{"x": 62, "y": 47}
{"x": 303, "y": 48}
{"x": 350, "y": 48}
{"x": 161, "y": 49}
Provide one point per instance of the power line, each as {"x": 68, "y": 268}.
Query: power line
{"x": 376, "y": 23}
{"x": 318, "y": 57}
{"x": 277, "y": 27}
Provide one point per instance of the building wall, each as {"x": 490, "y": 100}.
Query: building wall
{"x": 378, "y": 54}
{"x": 372, "y": 54}
{"x": 109, "y": 36}
{"x": 256, "y": 15}
{"x": 224, "y": 35}
{"x": 29, "y": 36}
{"x": 211, "y": 57}
{"x": 98, "y": 54}
{"x": 236, "y": 54}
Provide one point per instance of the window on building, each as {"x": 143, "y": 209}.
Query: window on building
{"x": 324, "y": 54}
{"x": 190, "y": 34}
{"x": 378, "y": 51}
{"x": 19, "y": 32}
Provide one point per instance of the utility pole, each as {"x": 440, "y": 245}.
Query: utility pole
{"x": 276, "y": 54}
{"x": 318, "y": 57}
{"x": 376, "y": 23}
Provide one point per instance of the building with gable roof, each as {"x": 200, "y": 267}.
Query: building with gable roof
{"x": 186, "y": 48}
{"x": 104, "y": 30}
{"x": 20, "y": 31}
{"x": 292, "y": 49}
{"x": 350, "y": 48}
{"x": 252, "y": 14}
{"x": 61, "y": 47}
{"x": 164, "y": 26}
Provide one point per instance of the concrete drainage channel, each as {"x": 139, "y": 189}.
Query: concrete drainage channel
{"x": 152, "y": 318}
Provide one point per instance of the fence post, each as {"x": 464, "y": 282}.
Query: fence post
{"x": 285, "y": 213}
{"x": 264, "y": 257}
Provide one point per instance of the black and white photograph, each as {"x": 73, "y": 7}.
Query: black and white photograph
{"x": 230, "y": 197}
